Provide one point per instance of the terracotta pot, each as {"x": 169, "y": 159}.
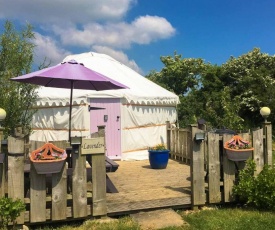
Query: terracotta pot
{"x": 47, "y": 167}
{"x": 48, "y": 159}
{"x": 237, "y": 154}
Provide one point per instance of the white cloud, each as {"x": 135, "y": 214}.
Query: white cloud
{"x": 143, "y": 30}
{"x": 65, "y": 11}
{"x": 119, "y": 56}
{"x": 47, "y": 48}
{"x": 86, "y": 24}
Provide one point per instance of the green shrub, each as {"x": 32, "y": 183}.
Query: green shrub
{"x": 9, "y": 211}
{"x": 258, "y": 191}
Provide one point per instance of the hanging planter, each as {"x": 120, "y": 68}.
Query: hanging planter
{"x": 238, "y": 149}
{"x": 158, "y": 157}
{"x": 48, "y": 159}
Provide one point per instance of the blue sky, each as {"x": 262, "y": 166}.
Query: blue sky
{"x": 138, "y": 32}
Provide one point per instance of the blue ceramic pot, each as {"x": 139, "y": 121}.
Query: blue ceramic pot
{"x": 158, "y": 158}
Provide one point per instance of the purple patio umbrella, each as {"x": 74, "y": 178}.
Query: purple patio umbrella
{"x": 70, "y": 75}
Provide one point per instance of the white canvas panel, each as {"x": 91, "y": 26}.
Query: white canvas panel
{"x": 136, "y": 115}
{"x": 52, "y": 123}
{"x": 142, "y": 138}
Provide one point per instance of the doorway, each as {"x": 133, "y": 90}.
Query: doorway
{"x": 110, "y": 117}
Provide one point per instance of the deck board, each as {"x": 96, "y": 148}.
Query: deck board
{"x": 141, "y": 187}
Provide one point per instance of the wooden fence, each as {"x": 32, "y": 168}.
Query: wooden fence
{"x": 212, "y": 174}
{"x": 58, "y": 196}
{"x": 179, "y": 141}
{"x": 63, "y": 196}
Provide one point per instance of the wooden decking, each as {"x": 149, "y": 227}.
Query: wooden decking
{"x": 143, "y": 188}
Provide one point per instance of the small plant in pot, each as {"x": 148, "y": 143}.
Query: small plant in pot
{"x": 238, "y": 149}
{"x": 158, "y": 156}
{"x": 48, "y": 159}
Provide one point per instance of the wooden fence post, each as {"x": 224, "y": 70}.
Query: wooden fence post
{"x": 258, "y": 145}
{"x": 16, "y": 170}
{"x": 197, "y": 172}
{"x": 168, "y": 137}
{"x": 79, "y": 179}
{"x": 213, "y": 167}
{"x": 99, "y": 180}
{"x": 228, "y": 173}
{"x": 2, "y": 166}
{"x": 267, "y": 128}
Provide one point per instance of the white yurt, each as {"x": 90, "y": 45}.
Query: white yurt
{"x": 134, "y": 118}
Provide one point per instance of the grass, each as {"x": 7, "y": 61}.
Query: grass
{"x": 225, "y": 218}
{"x": 230, "y": 218}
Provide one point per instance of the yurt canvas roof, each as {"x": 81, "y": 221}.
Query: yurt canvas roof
{"x": 141, "y": 90}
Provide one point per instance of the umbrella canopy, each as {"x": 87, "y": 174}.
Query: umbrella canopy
{"x": 71, "y": 75}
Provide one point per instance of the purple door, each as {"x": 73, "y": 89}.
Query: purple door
{"x": 110, "y": 117}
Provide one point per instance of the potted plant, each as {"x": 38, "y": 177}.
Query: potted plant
{"x": 238, "y": 149}
{"x": 158, "y": 156}
{"x": 48, "y": 159}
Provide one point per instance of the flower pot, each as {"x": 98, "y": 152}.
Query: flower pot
{"x": 47, "y": 167}
{"x": 158, "y": 158}
{"x": 48, "y": 159}
{"x": 238, "y": 149}
{"x": 238, "y": 154}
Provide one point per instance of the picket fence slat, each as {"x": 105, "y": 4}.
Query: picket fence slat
{"x": 213, "y": 168}
{"x": 37, "y": 196}
{"x": 59, "y": 200}
{"x": 259, "y": 151}
{"x": 197, "y": 172}
{"x": 79, "y": 186}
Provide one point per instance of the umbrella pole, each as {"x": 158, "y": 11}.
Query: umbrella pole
{"x": 70, "y": 112}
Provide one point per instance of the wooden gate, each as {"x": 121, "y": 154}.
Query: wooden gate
{"x": 213, "y": 175}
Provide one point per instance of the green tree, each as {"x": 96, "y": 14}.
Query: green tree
{"x": 251, "y": 77}
{"x": 181, "y": 76}
{"x": 229, "y": 95}
{"x": 16, "y": 58}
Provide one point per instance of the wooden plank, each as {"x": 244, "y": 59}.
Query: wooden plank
{"x": 37, "y": 196}
{"x": 197, "y": 172}
{"x": 181, "y": 145}
{"x": 115, "y": 208}
{"x": 68, "y": 210}
{"x": 214, "y": 168}
{"x": 168, "y": 134}
{"x": 2, "y": 180}
{"x": 258, "y": 146}
{"x": 241, "y": 164}
{"x": 268, "y": 136}
{"x": 99, "y": 185}
{"x": 228, "y": 173}
{"x": 2, "y": 166}
{"x": 16, "y": 171}
{"x": 173, "y": 135}
{"x": 59, "y": 191}
{"x": 79, "y": 185}
{"x": 16, "y": 145}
